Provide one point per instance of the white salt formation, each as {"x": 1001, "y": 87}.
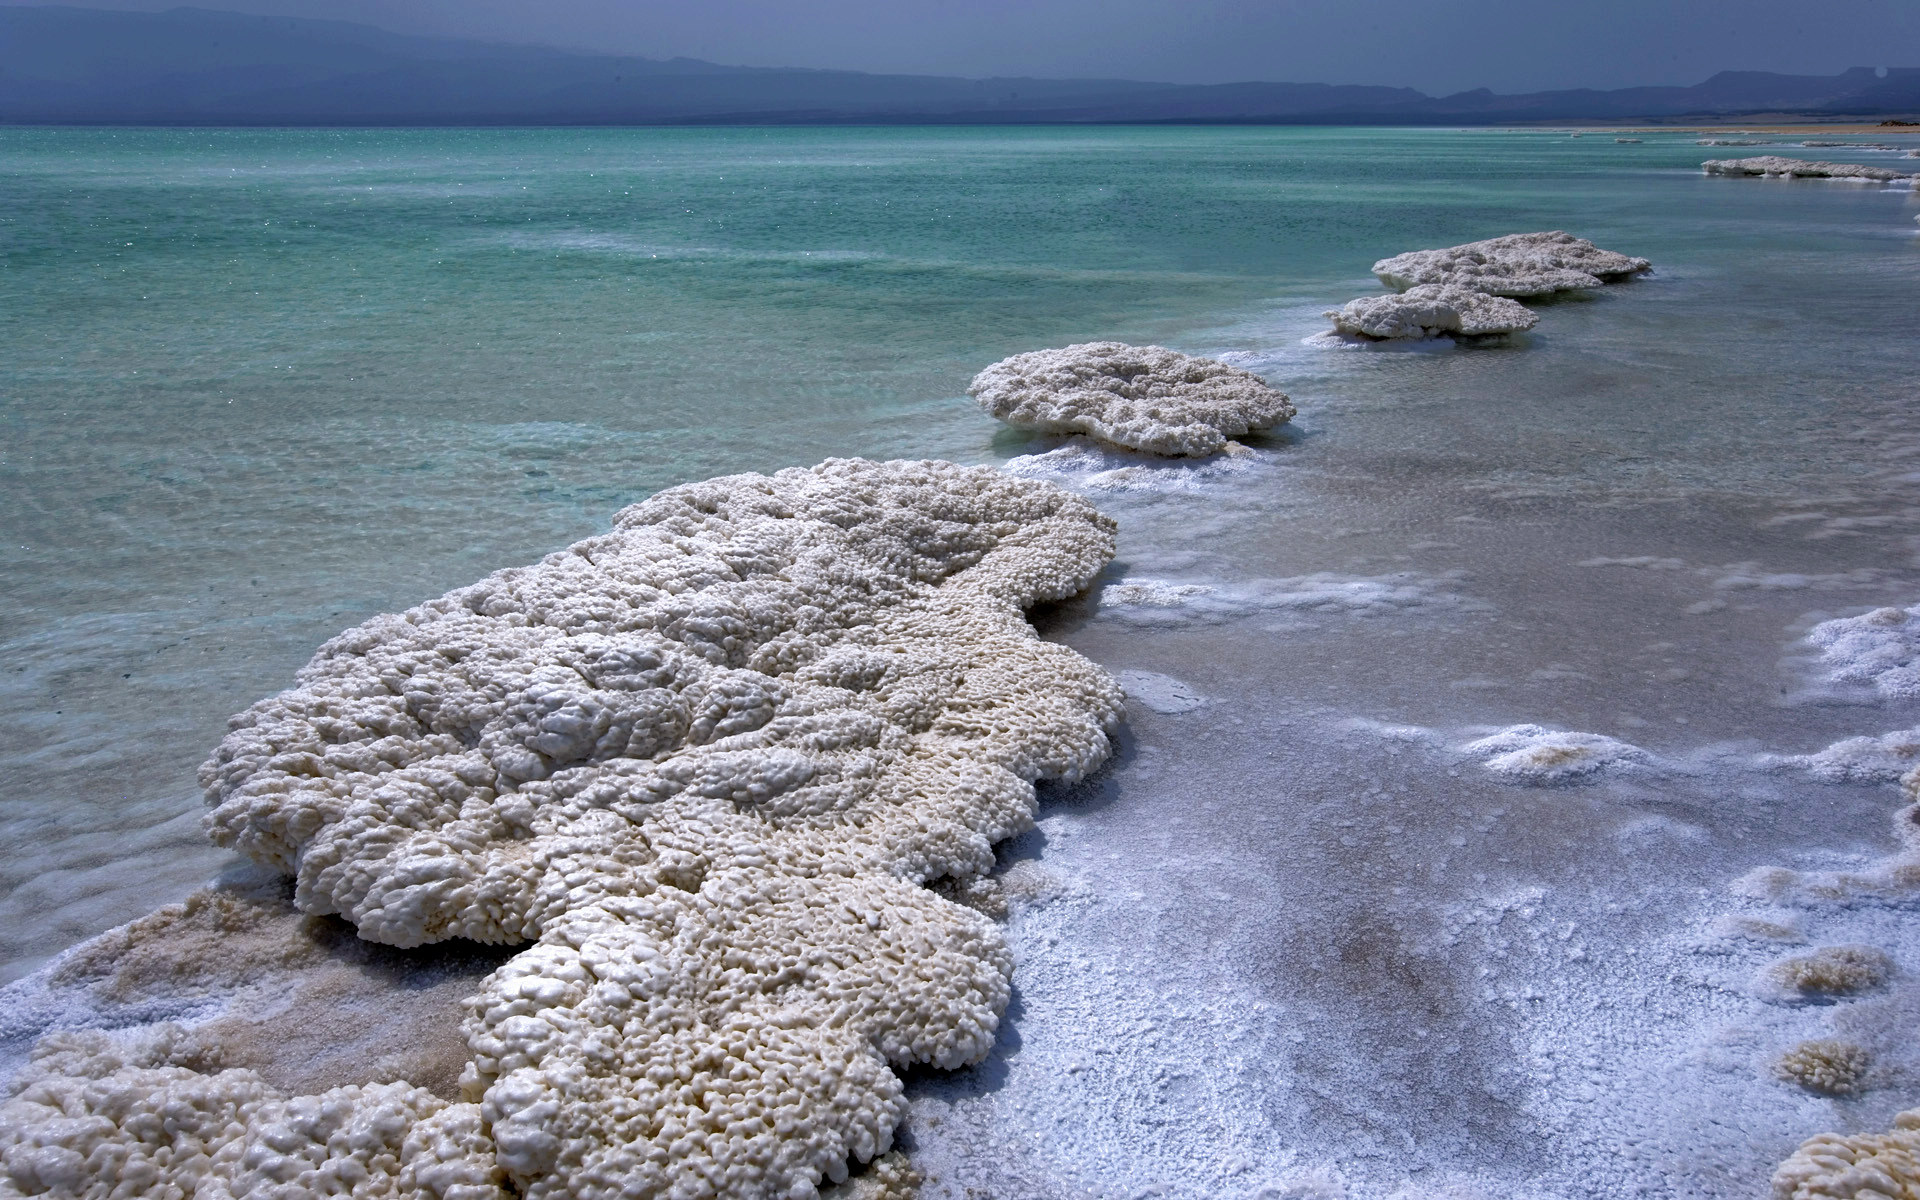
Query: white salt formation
{"x": 1432, "y": 310}
{"x": 1775, "y": 165}
{"x": 707, "y": 760}
{"x": 1882, "y": 759}
{"x": 1136, "y": 397}
{"x": 1880, "y": 648}
{"x": 1863, "y": 1166}
{"x": 1833, "y": 971}
{"x": 152, "y": 1116}
{"x": 1535, "y": 754}
{"x": 1519, "y": 264}
{"x": 1826, "y": 1065}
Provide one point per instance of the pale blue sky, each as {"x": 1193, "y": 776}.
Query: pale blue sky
{"x": 1438, "y": 46}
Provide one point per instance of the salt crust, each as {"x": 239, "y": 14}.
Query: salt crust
{"x": 1880, "y": 648}
{"x": 1882, "y": 759}
{"x": 1519, "y": 264}
{"x": 1775, "y": 165}
{"x": 149, "y": 1115}
{"x": 1432, "y": 310}
{"x": 1832, "y": 971}
{"x": 1893, "y": 878}
{"x": 1863, "y": 1166}
{"x": 1137, "y": 397}
{"x": 1828, "y": 1065}
{"x": 1536, "y": 754}
{"x": 1161, "y": 693}
{"x": 707, "y": 760}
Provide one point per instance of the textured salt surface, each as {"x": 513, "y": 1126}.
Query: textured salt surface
{"x": 1432, "y": 310}
{"x": 1144, "y": 398}
{"x": 1518, "y": 264}
{"x": 1880, "y": 649}
{"x": 707, "y": 761}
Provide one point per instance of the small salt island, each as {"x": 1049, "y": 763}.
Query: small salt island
{"x": 1432, "y": 310}
{"x": 1519, "y": 264}
{"x": 1145, "y": 398}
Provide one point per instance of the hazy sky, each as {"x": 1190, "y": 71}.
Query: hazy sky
{"x": 1438, "y": 46}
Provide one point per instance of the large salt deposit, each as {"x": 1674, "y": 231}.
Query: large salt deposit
{"x": 1432, "y": 310}
{"x": 1136, "y": 397}
{"x": 1775, "y": 165}
{"x": 1519, "y": 264}
{"x": 1861, "y": 1166}
{"x": 707, "y": 760}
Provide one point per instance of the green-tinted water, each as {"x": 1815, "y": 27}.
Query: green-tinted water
{"x": 258, "y": 385}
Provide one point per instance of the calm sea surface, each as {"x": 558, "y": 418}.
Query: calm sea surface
{"x": 258, "y": 385}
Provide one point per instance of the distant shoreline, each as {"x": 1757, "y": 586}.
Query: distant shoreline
{"x": 1881, "y": 126}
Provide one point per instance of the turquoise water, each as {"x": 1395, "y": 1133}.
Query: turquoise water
{"x": 258, "y": 385}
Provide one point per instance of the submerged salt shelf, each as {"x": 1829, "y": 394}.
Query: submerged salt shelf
{"x": 1490, "y": 819}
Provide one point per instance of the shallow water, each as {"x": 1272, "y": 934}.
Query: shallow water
{"x": 1297, "y": 939}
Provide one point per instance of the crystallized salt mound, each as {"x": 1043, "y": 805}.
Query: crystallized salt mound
{"x": 1833, "y": 971}
{"x": 1432, "y": 310}
{"x": 1774, "y": 164}
{"x": 1137, "y": 397}
{"x": 1826, "y": 1065}
{"x": 154, "y": 1115}
{"x": 1881, "y": 648}
{"x": 1519, "y": 264}
{"x": 708, "y": 761}
{"x": 1882, "y": 759}
{"x": 1535, "y": 754}
{"x": 1863, "y": 1166}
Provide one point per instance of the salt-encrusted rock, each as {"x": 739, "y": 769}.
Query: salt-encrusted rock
{"x": 1864, "y": 1166}
{"x": 1136, "y": 397}
{"x": 1432, "y": 310}
{"x": 708, "y": 760}
{"x": 95, "y": 1116}
{"x": 1775, "y": 165}
{"x": 1519, "y": 264}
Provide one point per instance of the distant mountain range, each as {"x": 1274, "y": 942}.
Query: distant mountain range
{"x": 203, "y": 67}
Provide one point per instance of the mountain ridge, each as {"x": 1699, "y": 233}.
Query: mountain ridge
{"x": 198, "y": 66}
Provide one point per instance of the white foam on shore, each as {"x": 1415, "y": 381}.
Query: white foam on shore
{"x": 1085, "y": 465}
{"x": 1160, "y": 602}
